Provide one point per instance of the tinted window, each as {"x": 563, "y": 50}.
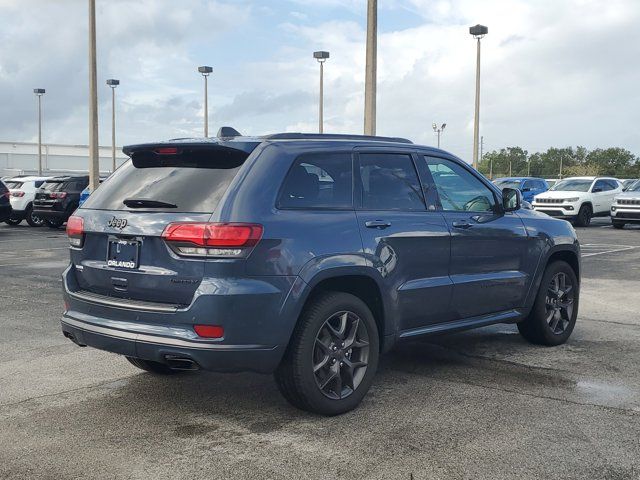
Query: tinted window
{"x": 194, "y": 184}
{"x": 458, "y": 189}
{"x": 322, "y": 180}
{"x": 602, "y": 185}
{"x": 14, "y": 184}
{"x": 541, "y": 185}
{"x": 62, "y": 186}
{"x": 389, "y": 182}
{"x": 612, "y": 184}
{"x": 38, "y": 183}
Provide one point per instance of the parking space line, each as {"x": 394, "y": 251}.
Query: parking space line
{"x": 625, "y": 249}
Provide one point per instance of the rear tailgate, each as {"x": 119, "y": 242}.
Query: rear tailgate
{"x": 124, "y": 254}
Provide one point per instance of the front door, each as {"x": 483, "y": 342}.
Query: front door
{"x": 406, "y": 242}
{"x": 490, "y": 267}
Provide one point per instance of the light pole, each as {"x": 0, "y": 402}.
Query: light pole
{"x": 371, "y": 68}
{"x": 206, "y": 71}
{"x": 438, "y": 130}
{"x": 321, "y": 57}
{"x": 94, "y": 162}
{"x": 478, "y": 32}
{"x": 113, "y": 83}
{"x": 39, "y": 92}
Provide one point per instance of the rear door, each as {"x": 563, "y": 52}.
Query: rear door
{"x": 491, "y": 266}
{"x": 404, "y": 238}
{"x": 603, "y": 195}
{"x": 124, "y": 254}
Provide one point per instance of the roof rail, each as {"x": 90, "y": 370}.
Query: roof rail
{"x": 333, "y": 136}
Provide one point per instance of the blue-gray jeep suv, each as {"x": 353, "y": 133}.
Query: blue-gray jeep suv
{"x": 307, "y": 256}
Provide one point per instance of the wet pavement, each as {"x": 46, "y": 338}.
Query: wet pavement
{"x": 478, "y": 404}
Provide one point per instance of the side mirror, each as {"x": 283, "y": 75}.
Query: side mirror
{"x": 511, "y": 199}
{"x": 596, "y": 190}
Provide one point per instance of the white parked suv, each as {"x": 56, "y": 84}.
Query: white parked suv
{"x": 626, "y": 206}
{"x": 578, "y": 199}
{"x": 23, "y": 191}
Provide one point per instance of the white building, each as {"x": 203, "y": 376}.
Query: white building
{"x": 22, "y": 158}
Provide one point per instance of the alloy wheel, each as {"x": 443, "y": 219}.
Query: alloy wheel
{"x": 340, "y": 355}
{"x": 559, "y": 303}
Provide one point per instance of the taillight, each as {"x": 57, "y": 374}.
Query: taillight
{"x": 209, "y": 331}
{"x": 75, "y": 231}
{"x": 17, "y": 193}
{"x": 229, "y": 240}
{"x": 58, "y": 194}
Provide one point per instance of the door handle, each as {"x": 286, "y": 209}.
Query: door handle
{"x": 377, "y": 224}
{"x": 461, "y": 224}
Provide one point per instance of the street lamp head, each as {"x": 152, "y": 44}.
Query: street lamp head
{"x": 478, "y": 31}
{"x": 204, "y": 70}
{"x": 321, "y": 55}
{"x": 112, "y": 82}
{"x": 435, "y": 127}
{"x": 39, "y": 91}
{"x": 443, "y": 125}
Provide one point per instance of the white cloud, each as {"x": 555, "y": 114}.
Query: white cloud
{"x": 554, "y": 72}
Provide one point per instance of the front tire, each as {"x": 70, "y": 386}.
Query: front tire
{"x": 618, "y": 225}
{"x": 584, "y": 216}
{"x": 151, "y": 366}
{"x": 332, "y": 357}
{"x": 554, "y": 313}
{"x": 13, "y": 221}
{"x": 54, "y": 222}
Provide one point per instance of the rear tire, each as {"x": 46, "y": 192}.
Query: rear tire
{"x": 33, "y": 220}
{"x": 152, "y": 367}
{"x": 54, "y": 223}
{"x": 584, "y": 216}
{"x": 13, "y": 221}
{"x": 618, "y": 225}
{"x": 332, "y": 357}
{"x": 554, "y": 312}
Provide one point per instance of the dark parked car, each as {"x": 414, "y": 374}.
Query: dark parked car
{"x": 5, "y": 203}
{"x": 307, "y": 256}
{"x": 58, "y": 198}
{"x": 529, "y": 186}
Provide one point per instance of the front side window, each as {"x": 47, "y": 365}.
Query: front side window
{"x": 389, "y": 182}
{"x": 459, "y": 190}
{"x": 319, "y": 180}
{"x": 601, "y": 186}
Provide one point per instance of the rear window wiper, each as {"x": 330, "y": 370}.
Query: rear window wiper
{"x": 147, "y": 203}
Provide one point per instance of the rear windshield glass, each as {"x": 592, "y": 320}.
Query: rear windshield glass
{"x": 14, "y": 184}
{"x": 56, "y": 186}
{"x": 508, "y": 183}
{"x": 184, "y": 185}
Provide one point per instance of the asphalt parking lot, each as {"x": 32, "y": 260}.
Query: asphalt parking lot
{"x": 479, "y": 404}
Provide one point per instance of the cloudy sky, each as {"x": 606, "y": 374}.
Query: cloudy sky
{"x": 555, "y": 72}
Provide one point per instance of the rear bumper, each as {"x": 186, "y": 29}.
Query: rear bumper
{"x": 117, "y": 337}
{"x": 256, "y": 325}
{"x": 54, "y": 211}
{"x": 5, "y": 212}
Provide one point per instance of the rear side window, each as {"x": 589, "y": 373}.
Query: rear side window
{"x": 319, "y": 180}
{"x": 389, "y": 182}
{"x": 185, "y": 184}
{"x": 14, "y": 184}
